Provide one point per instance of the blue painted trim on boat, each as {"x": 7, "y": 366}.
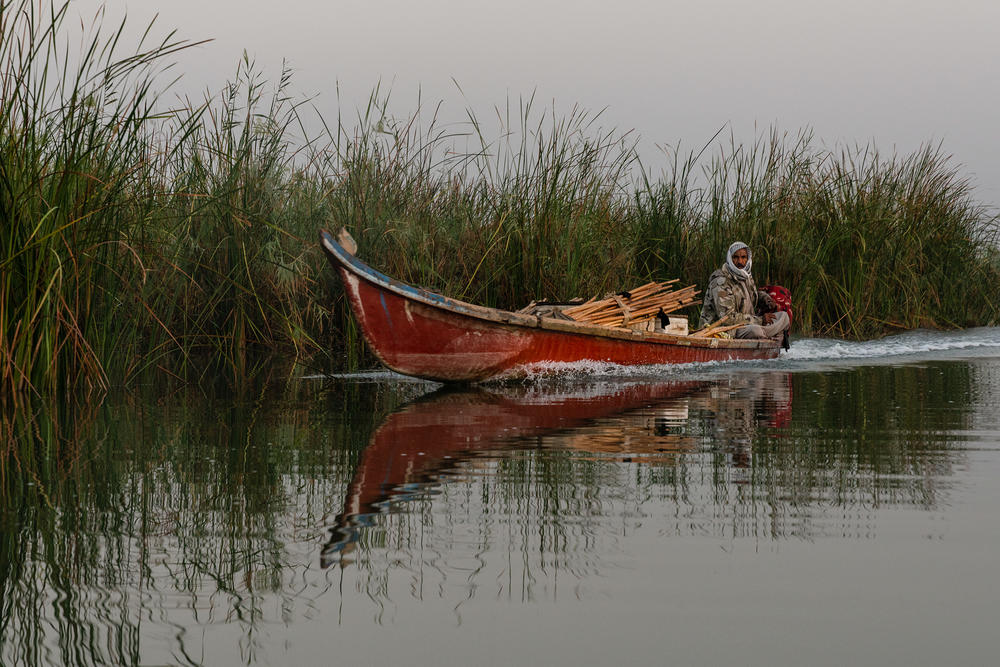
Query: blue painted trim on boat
{"x": 385, "y": 308}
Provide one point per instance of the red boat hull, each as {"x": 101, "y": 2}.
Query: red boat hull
{"x": 426, "y": 335}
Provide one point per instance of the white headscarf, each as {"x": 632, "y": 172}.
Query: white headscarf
{"x": 742, "y": 274}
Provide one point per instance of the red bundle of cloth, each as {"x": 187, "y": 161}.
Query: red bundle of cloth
{"x": 782, "y": 297}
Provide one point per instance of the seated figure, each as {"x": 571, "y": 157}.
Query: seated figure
{"x": 731, "y": 295}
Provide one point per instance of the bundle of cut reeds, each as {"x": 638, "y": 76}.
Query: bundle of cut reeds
{"x": 634, "y": 306}
{"x": 717, "y": 328}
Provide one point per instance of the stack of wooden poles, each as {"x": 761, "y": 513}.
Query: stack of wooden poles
{"x": 716, "y": 329}
{"x": 635, "y": 306}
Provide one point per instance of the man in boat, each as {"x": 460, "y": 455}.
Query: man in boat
{"x": 732, "y": 298}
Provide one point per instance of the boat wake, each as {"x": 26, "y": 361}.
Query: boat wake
{"x": 805, "y": 355}
{"x": 918, "y": 345}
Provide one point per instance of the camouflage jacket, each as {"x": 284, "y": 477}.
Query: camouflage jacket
{"x": 739, "y": 300}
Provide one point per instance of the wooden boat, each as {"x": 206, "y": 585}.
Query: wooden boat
{"x": 427, "y": 335}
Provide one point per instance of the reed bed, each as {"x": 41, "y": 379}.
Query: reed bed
{"x": 179, "y": 238}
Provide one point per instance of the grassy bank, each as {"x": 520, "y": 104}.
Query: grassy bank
{"x": 145, "y": 236}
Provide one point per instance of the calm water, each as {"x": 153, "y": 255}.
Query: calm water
{"x": 836, "y": 506}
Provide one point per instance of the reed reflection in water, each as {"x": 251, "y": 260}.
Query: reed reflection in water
{"x": 227, "y": 529}
{"x": 713, "y": 458}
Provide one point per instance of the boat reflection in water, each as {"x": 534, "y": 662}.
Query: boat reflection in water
{"x": 441, "y": 436}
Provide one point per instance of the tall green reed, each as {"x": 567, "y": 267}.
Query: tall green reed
{"x": 74, "y": 147}
{"x": 226, "y": 235}
{"x": 529, "y": 209}
{"x": 138, "y": 235}
{"x": 182, "y": 239}
{"x": 867, "y": 244}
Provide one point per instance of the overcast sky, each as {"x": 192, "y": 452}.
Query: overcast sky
{"x": 893, "y": 72}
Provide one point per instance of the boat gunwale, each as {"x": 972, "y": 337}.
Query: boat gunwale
{"x": 362, "y": 270}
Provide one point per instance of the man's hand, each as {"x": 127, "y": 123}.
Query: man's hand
{"x": 769, "y": 318}
{"x": 765, "y": 303}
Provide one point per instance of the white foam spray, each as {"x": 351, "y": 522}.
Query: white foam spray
{"x": 805, "y": 355}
